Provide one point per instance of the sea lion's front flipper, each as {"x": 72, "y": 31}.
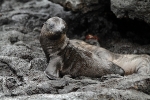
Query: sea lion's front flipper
{"x": 52, "y": 71}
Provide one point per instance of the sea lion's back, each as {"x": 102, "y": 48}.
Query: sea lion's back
{"x": 79, "y": 62}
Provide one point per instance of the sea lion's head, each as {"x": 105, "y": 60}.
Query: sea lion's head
{"x": 54, "y": 28}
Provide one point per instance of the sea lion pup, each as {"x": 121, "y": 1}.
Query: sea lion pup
{"x": 67, "y": 57}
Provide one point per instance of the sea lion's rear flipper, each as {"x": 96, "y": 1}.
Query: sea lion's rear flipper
{"x": 115, "y": 69}
{"x": 52, "y": 71}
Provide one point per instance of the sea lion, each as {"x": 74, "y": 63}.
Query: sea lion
{"x": 77, "y": 58}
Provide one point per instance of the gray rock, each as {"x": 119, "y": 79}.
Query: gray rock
{"x": 22, "y": 61}
{"x": 39, "y": 64}
{"x": 69, "y": 96}
{"x": 9, "y": 37}
{"x": 131, "y": 8}
{"x": 105, "y": 94}
{"x": 135, "y": 82}
{"x": 17, "y": 65}
{"x": 78, "y": 5}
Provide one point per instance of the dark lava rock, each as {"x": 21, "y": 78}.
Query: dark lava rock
{"x": 131, "y": 8}
{"x": 78, "y": 5}
{"x": 22, "y": 60}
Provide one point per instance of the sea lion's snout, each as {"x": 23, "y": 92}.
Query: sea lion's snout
{"x": 55, "y": 26}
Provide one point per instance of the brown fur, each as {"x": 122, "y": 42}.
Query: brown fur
{"x": 78, "y": 58}
{"x": 130, "y": 63}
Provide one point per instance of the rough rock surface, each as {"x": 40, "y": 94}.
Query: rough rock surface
{"x": 22, "y": 60}
{"x": 78, "y": 5}
{"x": 132, "y": 8}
